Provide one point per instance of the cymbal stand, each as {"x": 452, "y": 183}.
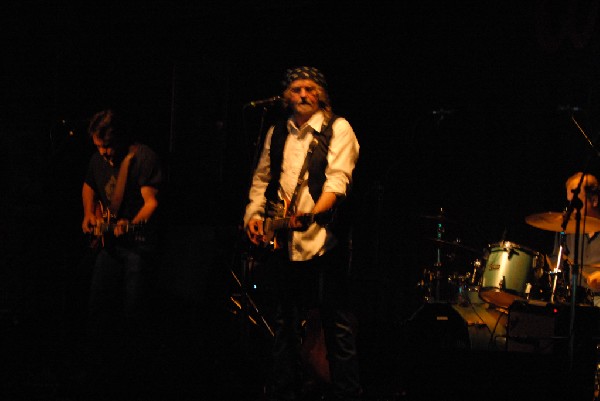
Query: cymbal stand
{"x": 438, "y": 263}
{"x": 438, "y": 266}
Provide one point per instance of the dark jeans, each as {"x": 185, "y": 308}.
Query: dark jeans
{"x": 298, "y": 287}
{"x": 116, "y": 306}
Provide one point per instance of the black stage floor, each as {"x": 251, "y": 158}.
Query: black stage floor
{"x": 444, "y": 352}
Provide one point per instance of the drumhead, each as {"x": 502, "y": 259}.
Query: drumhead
{"x": 512, "y": 245}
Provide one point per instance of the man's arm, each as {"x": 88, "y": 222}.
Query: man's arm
{"x": 260, "y": 180}
{"x": 326, "y": 202}
{"x": 88, "y": 196}
{"x": 149, "y": 194}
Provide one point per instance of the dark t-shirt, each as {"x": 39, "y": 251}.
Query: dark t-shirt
{"x": 144, "y": 170}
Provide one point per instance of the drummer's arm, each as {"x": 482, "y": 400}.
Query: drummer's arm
{"x": 592, "y": 279}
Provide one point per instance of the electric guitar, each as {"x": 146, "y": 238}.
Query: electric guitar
{"x": 277, "y": 223}
{"x": 105, "y": 227}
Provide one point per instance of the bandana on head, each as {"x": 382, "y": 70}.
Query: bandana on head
{"x": 294, "y": 74}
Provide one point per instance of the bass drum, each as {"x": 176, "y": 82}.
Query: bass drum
{"x": 508, "y": 273}
{"x": 474, "y": 327}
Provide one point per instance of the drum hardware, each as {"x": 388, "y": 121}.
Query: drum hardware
{"x": 556, "y": 270}
{"x": 440, "y": 217}
{"x": 436, "y": 285}
{"x": 458, "y": 281}
{"x": 476, "y": 268}
{"x": 453, "y": 244}
{"x": 446, "y": 280}
{"x": 554, "y": 279}
{"x": 433, "y": 290}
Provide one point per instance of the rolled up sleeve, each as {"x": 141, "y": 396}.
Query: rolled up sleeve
{"x": 341, "y": 159}
{"x": 260, "y": 181}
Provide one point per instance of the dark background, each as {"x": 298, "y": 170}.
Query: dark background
{"x": 461, "y": 106}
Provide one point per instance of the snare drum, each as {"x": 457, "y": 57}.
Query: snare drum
{"x": 508, "y": 273}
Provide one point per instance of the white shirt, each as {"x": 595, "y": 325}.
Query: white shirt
{"x": 341, "y": 160}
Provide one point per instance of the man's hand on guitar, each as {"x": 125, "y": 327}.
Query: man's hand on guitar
{"x": 255, "y": 231}
{"x": 121, "y": 227}
{"x": 88, "y": 224}
{"x": 300, "y": 221}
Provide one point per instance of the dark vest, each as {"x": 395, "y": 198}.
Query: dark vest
{"x": 316, "y": 169}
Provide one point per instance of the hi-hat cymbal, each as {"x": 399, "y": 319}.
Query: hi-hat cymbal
{"x": 553, "y": 221}
{"x": 453, "y": 244}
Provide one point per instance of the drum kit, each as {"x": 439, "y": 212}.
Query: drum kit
{"x": 504, "y": 271}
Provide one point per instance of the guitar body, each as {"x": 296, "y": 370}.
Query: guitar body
{"x": 103, "y": 217}
{"x": 102, "y": 234}
{"x": 276, "y": 224}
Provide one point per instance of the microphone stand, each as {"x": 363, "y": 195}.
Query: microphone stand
{"x": 574, "y": 205}
{"x": 247, "y": 259}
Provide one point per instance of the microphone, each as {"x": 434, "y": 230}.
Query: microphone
{"x": 264, "y": 102}
{"x": 569, "y": 108}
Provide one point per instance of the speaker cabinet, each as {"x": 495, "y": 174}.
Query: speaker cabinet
{"x": 541, "y": 327}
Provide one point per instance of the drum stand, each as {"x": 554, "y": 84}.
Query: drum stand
{"x": 432, "y": 278}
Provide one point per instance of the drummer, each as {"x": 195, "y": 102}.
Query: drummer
{"x": 589, "y": 244}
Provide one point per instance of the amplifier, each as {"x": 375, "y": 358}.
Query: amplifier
{"x": 542, "y": 327}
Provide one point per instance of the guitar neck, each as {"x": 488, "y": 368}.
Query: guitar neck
{"x": 104, "y": 227}
{"x": 278, "y": 224}
{"x": 284, "y": 222}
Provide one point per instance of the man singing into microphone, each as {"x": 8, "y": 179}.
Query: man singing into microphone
{"x": 308, "y": 160}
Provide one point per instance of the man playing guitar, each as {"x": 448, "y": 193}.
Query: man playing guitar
{"x": 309, "y": 158}
{"x": 123, "y": 179}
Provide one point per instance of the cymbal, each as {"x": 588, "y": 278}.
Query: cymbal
{"x": 552, "y": 221}
{"x": 454, "y": 244}
{"x": 439, "y": 217}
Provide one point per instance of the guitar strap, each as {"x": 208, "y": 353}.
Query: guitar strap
{"x": 117, "y": 196}
{"x": 311, "y": 148}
